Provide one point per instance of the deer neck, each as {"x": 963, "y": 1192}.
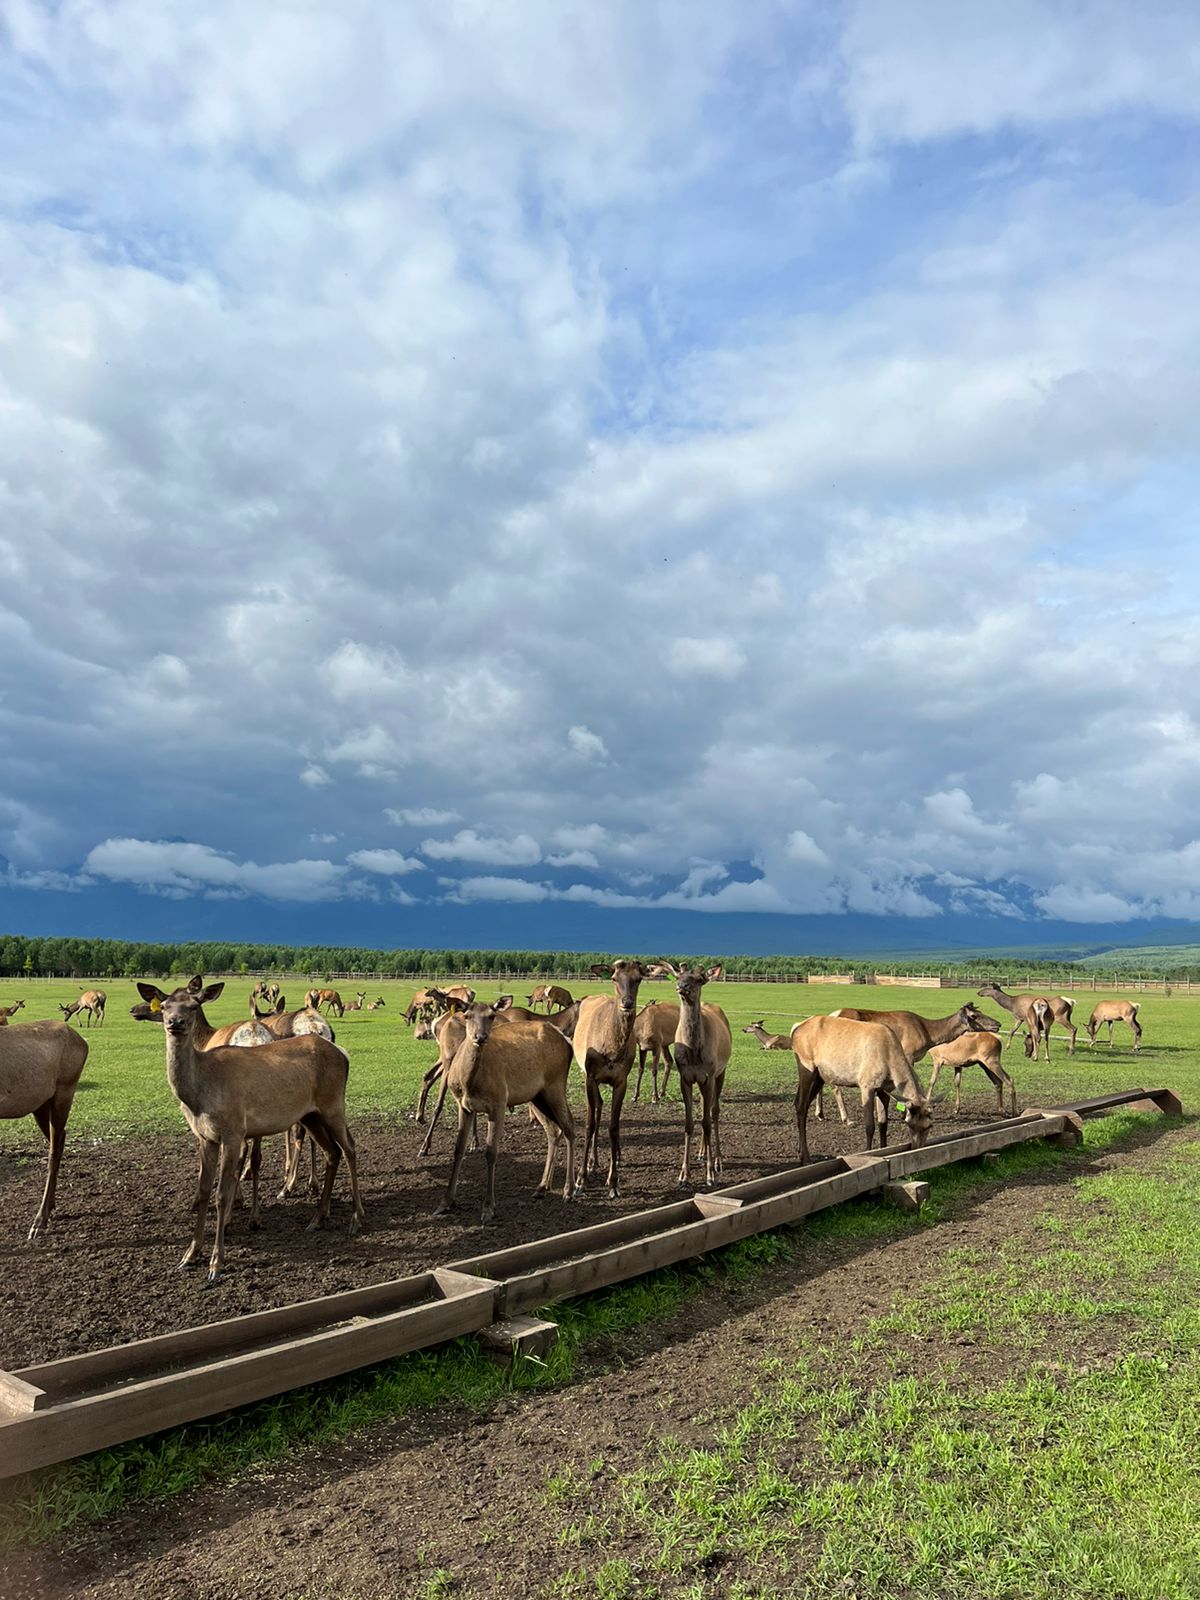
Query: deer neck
{"x": 184, "y": 1070}
{"x": 690, "y": 1031}
{"x": 468, "y": 1064}
{"x": 943, "y": 1030}
{"x": 1005, "y": 1000}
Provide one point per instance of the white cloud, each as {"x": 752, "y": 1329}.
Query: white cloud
{"x": 803, "y": 849}
{"x": 315, "y": 777}
{"x": 517, "y": 890}
{"x": 705, "y": 658}
{"x": 198, "y": 869}
{"x": 587, "y": 744}
{"x": 389, "y": 862}
{"x": 573, "y": 858}
{"x": 467, "y": 845}
{"x": 419, "y": 816}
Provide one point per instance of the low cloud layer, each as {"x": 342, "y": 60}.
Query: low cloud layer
{"x": 640, "y": 456}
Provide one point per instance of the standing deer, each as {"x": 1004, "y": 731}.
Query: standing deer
{"x": 654, "y": 1032}
{"x": 603, "y": 1043}
{"x": 316, "y": 998}
{"x": 703, "y": 1045}
{"x": 40, "y": 1066}
{"x": 227, "y": 1097}
{"x": 1110, "y": 1011}
{"x": 782, "y": 1041}
{"x": 551, "y": 996}
{"x": 1020, "y": 1006}
{"x": 974, "y": 1049}
{"x": 92, "y": 1001}
{"x": 866, "y": 1056}
{"x": 8, "y": 1012}
{"x": 519, "y": 1063}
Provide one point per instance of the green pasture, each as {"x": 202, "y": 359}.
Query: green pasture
{"x": 124, "y": 1088}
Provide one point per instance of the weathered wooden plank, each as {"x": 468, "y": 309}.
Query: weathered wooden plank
{"x": 716, "y": 1205}
{"x": 621, "y": 1230}
{"x": 18, "y": 1398}
{"x": 780, "y": 1182}
{"x": 129, "y": 1411}
{"x": 961, "y": 1148}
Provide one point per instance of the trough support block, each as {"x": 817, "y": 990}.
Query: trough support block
{"x": 1164, "y": 1100}
{"x": 989, "y": 1158}
{"x": 909, "y": 1196}
{"x": 526, "y": 1336}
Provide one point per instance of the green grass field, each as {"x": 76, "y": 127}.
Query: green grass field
{"x": 124, "y": 1088}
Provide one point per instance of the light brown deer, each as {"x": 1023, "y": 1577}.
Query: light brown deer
{"x": 40, "y": 1066}
{"x": 1110, "y": 1011}
{"x": 8, "y": 1012}
{"x": 654, "y": 1033}
{"x": 461, "y": 992}
{"x": 92, "y": 1001}
{"x": 866, "y": 1056}
{"x": 357, "y": 1003}
{"x": 551, "y": 996}
{"x": 284, "y": 1024}
{"x": 604, "y": 1043}
{"x": 703, "y": 1045}
{"x": 782, "y": 1041}
{"x": 979, "y": 1050}
{"x": 228, "y": 1096}
{"x": 316, "y": 998}
{"x": 377, "y": 1004}
{"x": 515, "y": 1064}
{"x": 919, "y": 1034}
{"x": 1020, "y": 1005}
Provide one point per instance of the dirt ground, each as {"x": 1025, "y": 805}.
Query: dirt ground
{"x": 378, "y": 1514}
{"x": 108, "y": 1274}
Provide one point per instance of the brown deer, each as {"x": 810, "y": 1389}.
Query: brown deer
{"x": 8, "y": 1012}
{"x": 1020, "y": 1006}
{"x": 1110, "y": 1011}
{"x": 357, "y": 1003}
{"x": 604, "y": 1043}
{"x": 377, "y": 1004}
{"x": 316, "y": 998}
{"x": 919, "y": 1034}
{"x": 551, "y": 996}
{"x": 654, "y": 1033}
{"x": 782, "y": 1041}
{"x": 703, "y": 1045}
{"x": 460, "y": 991}
{"x": 227, "y": 1097}
{"x": 979, "y": 1050}
{"x": 40, "y": 1066}
{"x": 92, "y": 1001}
{"x": 866, "y": 1056}
{"x": 284, "y": 1024}
{"x": 516, "y": 1064}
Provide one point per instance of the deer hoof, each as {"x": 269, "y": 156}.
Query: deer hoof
{"x": 188, "y": 1264}
{"x": 214, "y": 1276}
{"x": 355, "y": 1225}
{"x": 315, "y": 1225}
{"x": 444, "y": 1209}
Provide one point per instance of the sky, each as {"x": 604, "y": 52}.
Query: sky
{"x": 582, "y": 474}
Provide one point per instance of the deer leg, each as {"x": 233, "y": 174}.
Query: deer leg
{"x": 868, "y": 1105}
{"x": 590, "y": 1123}
{"x": 427, "y": 1141}
{"x": 52, "y": 1120}
{"x": 637, "y": 1088}
{"x": 685, "y": 1168}
{"x": 1073, "y": 1031}
{"x": 1014, "y": 1028}
{"x": 553, "y": 1100}
{"x": 668, "y": 1063}
{"x": 255, "y": 1165}
{"x": 495, "y": 1130}
{"x": 957, "y": 1090}
{"x": 321, "y": 1133}
{"x": 616, "y": 1101}
{"x": 427, "y": 1083}
{"x": 706, "y": 1131}
{"x": 227, "y": 1182}
{"x": 1137, "y": 1036}
{"x": 343, "y": 1141}
{"x": 209, "y": 1154}
{"x": 718, "y": 1163}
{"x": 808, "y": 1085}
{"x": 465, "y": 1124}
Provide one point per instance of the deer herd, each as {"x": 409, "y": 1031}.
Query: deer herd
{"x": 282, "y": 1072}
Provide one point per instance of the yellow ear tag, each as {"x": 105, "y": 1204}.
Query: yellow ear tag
{"x": 156, "y": 1004}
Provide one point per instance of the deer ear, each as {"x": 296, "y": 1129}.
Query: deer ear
{"x": 151, "y": 992}
{"x": 196, "y": 984}
{"x": 503, "y": 1003}
{"x": 599, "y": 970}
{"x": 211, "y": 993}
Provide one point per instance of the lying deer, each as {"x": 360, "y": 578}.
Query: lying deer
{"x": 866, "y": 1056}
{"x": 227, "y": 1096}
{"x": 8, "y": 1012}
{"x": 357, "y": 1003}
{"x": 40, "y": 1066}
{"x": 377, "y": 1005}
{"x": 515, "y": 1064}
{"x": 782, "y": 1041}
{"x": 1110, "y": 1011}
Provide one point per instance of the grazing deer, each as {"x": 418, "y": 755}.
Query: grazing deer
{"x": 550, "y": 996}
{"x": 979, "y": 1050}
{"x": 263, "y": 990}
{"x": 40, "y": 1066}
{"x": 703, "y": 1045}
{"x": 604, "y": 1043}
{"x": 782, "y": 1041}
{"x": 1021, "y": 1005}
{"x": 357, "y": 1003}
{"x": 462, "y": 993}
{"x": 227, "y": 1097}
{"x": 1110, "y": 1011}
{"x": 92, "y": 1001}
{"x": 516, "y": 1064}
{"x": 654, "y": 1033}
{"x": 866, "y": 1056}
{"x": 316, "y": 998}
{"x": 8, "y": 1012}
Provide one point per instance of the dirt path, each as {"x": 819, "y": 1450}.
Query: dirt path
{"x": 380, "y": 1513}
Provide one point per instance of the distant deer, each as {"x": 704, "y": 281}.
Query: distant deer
{"x": 782, "y": 1041}
{"x": 1110, "y": 1011}
{"x": 518, "y": 1063}
{"x": 92, "y": 1001}
{"x": 550, "y": 996}
{"x": 8, "y": 1012}
{"x": 316, "y": 998}
{"x": 703, "y": 1045}
{"x": 40, "y": 1067}
{"x": 227, "y": 1097}
{"x": 377, "y": 1005}
{"x": 357, "y": 1003}
{"x": 1020, "y": 1006}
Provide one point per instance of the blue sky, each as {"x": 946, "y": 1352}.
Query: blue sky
{"x": 519, "y": 470}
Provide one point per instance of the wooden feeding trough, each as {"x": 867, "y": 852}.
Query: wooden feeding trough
{"x": 70, "y": 1407}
